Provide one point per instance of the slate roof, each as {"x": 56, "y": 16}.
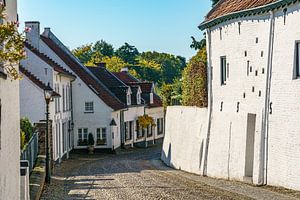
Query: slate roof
{"x": 49, "y": 61}
{"x": 146, "y": 88}
{"x": 85, "y": 75}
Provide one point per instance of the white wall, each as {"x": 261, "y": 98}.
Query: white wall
{"x": 10, "y": 130}
{"x": 284, "y": 137}
{"x": 185, "y": 133}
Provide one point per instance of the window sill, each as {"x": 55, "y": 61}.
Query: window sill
{"x": 88, "y": 112}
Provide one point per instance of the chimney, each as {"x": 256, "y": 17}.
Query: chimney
{"x": 33, "y": 35}
{"x": 101, "y": 64}
{"x": 124, "y": 69}
{"x": 46, "y": 32}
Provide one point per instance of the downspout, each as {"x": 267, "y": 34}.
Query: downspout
{"x": 71, "y": 129}
{"x": 210, "y": 100}
{"x": 263, "y": 178}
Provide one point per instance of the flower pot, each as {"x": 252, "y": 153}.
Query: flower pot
{"x": 91, "y": 149}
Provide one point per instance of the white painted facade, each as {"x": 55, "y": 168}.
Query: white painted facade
{"x": 253, "y": 119}
{"x": 33, "y": 105}
{"x": 10, "y": 128}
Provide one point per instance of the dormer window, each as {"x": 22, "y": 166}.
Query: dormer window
{"x": 128, "y": 97}
{"x": 151, "y": 98}
{"x": 138, "y": 96}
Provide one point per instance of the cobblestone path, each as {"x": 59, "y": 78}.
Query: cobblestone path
{"x": 139, "y": 174}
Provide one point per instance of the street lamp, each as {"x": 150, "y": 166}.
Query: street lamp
{"x": 49, "y": 94}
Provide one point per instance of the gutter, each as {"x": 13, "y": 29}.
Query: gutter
{"x": 247, "y": 12}
{"x": 210, "y": 101}
{"x": 263, "y": 175}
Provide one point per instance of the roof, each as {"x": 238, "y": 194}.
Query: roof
{"x": 125, "y": 77}
{"x": 85, "y": 75}
{"x": 146, "y": 88}
{"x": 230, "y": 9}
{"x": 116, "y": 86}
{"x": 49, "y": 61}
{"x": 32, "y": 77}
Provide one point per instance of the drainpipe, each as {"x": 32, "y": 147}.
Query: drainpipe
{"x": 71, "y": 128}
{"x": 263, "y": 178}
{"x": 210, "y": 100}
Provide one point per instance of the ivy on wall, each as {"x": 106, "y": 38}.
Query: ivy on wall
{"x": 194, "y": 81}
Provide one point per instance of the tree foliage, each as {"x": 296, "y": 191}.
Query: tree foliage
{"x": 11, "y": 45}
{"x": 194, "y": 81}
{"x": 128, "y": 53}
{"x": 214, "y": 2}
{"x": 104, "y": 48}
{"x": 84, "y": 53}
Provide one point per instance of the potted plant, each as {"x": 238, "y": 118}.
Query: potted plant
{"x": 91, "y": 143}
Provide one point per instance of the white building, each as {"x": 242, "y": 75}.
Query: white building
{"x": 101, "y": 105}
{"x": 254, "y": 69}
{"x": 38, "y": 71}
{"x": 9, "y": 126}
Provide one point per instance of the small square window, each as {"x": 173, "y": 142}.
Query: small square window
{"x": 89, "y": 107}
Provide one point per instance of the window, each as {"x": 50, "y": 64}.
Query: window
{"x": 160, "y": 126}
{"x": 129, "y": 129}
{"x": 56, "y": 99}
{"x": 223, "y": 70}
{"x": 128, "y": 99}
{"x": 64, "y": 98}
{"x": 297, "y": 57}
{"x": 101, "y": 136}
{"x": 149, "y": 131}
{"x": 82, "y": 136}
{"x": 89, "y": 107}
{"x": 139, "y": 133}
{"x": 138, "y": 98}
{"x": 151, "y": 98}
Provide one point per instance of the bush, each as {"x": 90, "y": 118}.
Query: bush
{"x": 91, "y": 140}
{"x": 27, "y": 128}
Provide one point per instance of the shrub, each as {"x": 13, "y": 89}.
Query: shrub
{"x": 27, "y": 128}
{"x": 23, "y": 138}
{"x": 91, "y": 140}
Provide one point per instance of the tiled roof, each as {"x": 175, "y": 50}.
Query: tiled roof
{"x": 49, "y": 61}
{"x": 117, "y": 87}
{"x": 146, "y": 88}
{"x": 84, "y": 74}
{"x": 32, "y": 77}
{"x": 225, "y": 7}
{"x": 125, "y": 77}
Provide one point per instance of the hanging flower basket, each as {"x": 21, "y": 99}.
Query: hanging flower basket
{"x": 145, "y": 121}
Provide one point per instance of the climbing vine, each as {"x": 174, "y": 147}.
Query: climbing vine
{"x": 11, "y": 45}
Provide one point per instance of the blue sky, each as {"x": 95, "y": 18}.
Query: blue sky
{"x": 160, "y": 25}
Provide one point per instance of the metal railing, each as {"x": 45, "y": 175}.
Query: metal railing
{"x": 31, "y": 150}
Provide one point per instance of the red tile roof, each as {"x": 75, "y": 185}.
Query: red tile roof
{"x": 100, "y": 90}
{"x": 125, "y": 77}
{"x": 32, "y": 77}
{"x": 225, "y": 7}
{"x": 49, "y": 61}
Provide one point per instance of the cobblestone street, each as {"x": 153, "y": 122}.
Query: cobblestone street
{"x": 139, "y": 174}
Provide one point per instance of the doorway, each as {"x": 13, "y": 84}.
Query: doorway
{"x": 249, "y": 156}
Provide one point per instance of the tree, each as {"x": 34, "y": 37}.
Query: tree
{"x": 84, "y": 53}
{"x": 194, "y": 81}
{"x": 12, "y": 46}
{"x": 214, "y": 2}
{"x": 128, "y": 53}
{"x": 104, "y": 48}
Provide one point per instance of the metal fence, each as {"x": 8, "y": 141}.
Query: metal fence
{"x": 30, "y": 152}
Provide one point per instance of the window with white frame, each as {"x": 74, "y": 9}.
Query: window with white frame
{"x": 297, "y": 58}
{"x": 149, "y": 131}
{"x": 89, "y": 107}
{"x": 101, "y": 136}
{"x": 223, "y": 70}
{"x": 64, "y": 98}
{"x": 139, "y": 132}
{"x": 160, "y": 126}
{"x": 128, "y": 97}
{"x": 82, "y": 136}
{"x": 129, "y": 129}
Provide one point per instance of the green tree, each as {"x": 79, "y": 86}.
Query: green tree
{"x": 128, "y": 53}
{"x": 104, "y": 48}
{"x": 194, "y": 81}
{"x": 27, "y": 128}
{"x": 12, "y": 46}
{"x": 84, "y": 53}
